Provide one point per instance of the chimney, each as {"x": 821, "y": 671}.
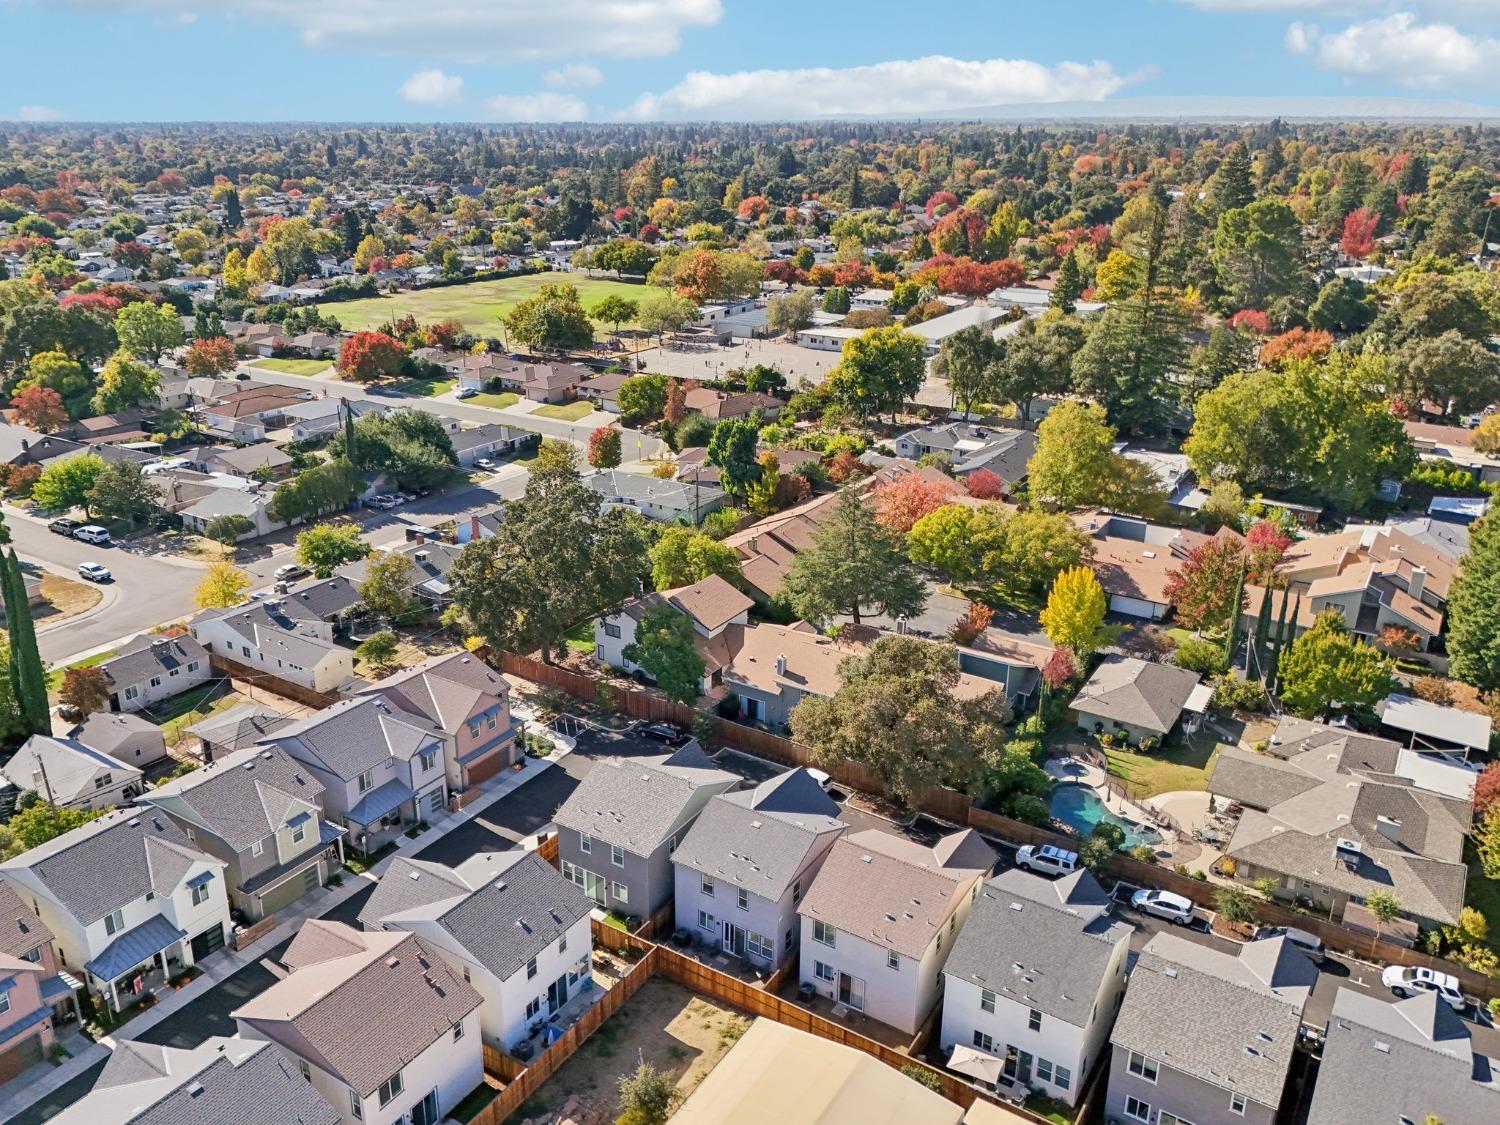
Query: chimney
{"x": 1417, "y": 583}
{"x": 419, "y": 535}
{"x": 781, "y": 664}
{"x": 1389, "y": 827}
{"x": 754, "y": 543}
{"x": 474, "y": 528}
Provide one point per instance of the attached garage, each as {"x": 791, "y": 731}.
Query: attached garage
{"x": 1137, "y": 607}
{"x": 288, "y": 891}
{"x": 207, "y": 942}
{"x": 28, "y": 1052}
{"x": 484, "y": 769}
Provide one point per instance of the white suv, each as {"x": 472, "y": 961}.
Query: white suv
{"x": 1046, "y": 860}
{"x": 1164, "y": 904}
{"x": 1411, "y": 981}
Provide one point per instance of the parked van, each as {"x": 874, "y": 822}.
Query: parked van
{"x": 93, "y": 533}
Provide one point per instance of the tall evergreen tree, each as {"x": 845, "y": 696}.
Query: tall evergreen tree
{"x": 1069, "y": 285}
{"x": 1474, "y": 609}
{"x": 28, "y": 677}
{"x": 1232, "y": 185}
{"x": 234, "y": 216}
{"x": 351, "y": 446}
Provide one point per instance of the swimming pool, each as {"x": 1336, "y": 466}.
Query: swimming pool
{"x": 1080, "y": 808}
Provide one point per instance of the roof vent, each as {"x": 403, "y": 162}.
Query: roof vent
{"x": 755, "y": 824}
{"x": 889, "y": 917}
{"x": 413, "y": 875}
{"x": 1383, "y": 1048}
{"x": 135, "y": 823}
{"x": 195, "y": 1089}
{"x": 864, "y": 859}
{"x": 392, "y": 962}
{"x": 1017, "y": 907}
{"x": 1170, "y": 971}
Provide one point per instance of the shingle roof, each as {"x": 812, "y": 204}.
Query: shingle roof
{"x": 760, "y": 838}
{"x": 634, "y": 802}
{"x": 354, "y": 735}
{"x": 239, "y": 726}
{"x": 242, "y": 797}
{"x": 21, "y": 931}
{"x": 110, "y": 730}
{"x": 442, "y": 689}
{"x": 1050, "y": 955}
{"x": 361, "y": 1015}
{"x": 1209, "y": 1015}
{"x": 147, "y": 655}
{"x": 220, "y": 1082}
{"x": 890, "y": 891}
{"x": 1137, "y": 692}
{"x": 63, "y": 767}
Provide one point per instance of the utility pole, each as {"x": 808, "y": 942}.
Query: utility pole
{"x": 46, "y": 784}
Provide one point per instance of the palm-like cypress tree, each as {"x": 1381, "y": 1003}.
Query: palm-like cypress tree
{"x": 28, "y": 677}
{"x": 351, "y": 451}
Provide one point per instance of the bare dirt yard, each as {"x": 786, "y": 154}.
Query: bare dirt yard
{"x": 65, "y": 598}
{"x": 664, "y": 1024}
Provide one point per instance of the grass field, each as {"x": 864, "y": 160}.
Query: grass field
{"x": 566, "y": 412}
{"x": 427, "y": 387}
{"x": 293, "y": 366}
{"x": 498, "y": 401}
{"x": 1171, "y": 770}
{"x": 478, "y": 306}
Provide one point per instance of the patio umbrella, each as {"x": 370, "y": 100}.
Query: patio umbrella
{"x": 976, "y": 1064}
{"x": 551, "y": 1035}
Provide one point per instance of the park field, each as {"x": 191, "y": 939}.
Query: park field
{"x": 478, "y": 306}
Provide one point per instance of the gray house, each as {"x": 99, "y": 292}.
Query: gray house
{"x": 1141, "y": 699}
{"x": 970, "y": 448}
{"x": 381, "y": 768}
{"x": 240, "y": 726}
{"x": 1207, "y": 1036}
{"x": 619, "y": 828}
{"x": 150, "y": 669}
{"x": 124, "y": 737}
{"x": 258, "y": 811}
{"x": 743, "y": 866}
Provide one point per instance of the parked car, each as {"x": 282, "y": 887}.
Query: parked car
{"x": 93, "y": 533}
{"x": 466, "y": 392}
{"x": 1310, "y": 944}
{"x": 485, "y": 463}
{"x": 665, "y": 732}
{"x": 1164, "y": 904}
{"x": 383, "y": 503}
{"x": 289, "y": 570}
{"x": 1046, "y": 860}
{"x": 1409, "y": 980}
{"x": 64, "y": 527}
{"x": 821, "y": 777}
{"x": 95, "y": 572}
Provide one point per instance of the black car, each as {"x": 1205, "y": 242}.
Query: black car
{"x": 665, "y": 732}
{"x": 64, "y": 527}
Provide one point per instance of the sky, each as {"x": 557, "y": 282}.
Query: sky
{"x": 629, "y": 60}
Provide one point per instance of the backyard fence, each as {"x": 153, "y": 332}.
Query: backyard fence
{"x": 259, "y": 678}
{"x": 253, "y": 933}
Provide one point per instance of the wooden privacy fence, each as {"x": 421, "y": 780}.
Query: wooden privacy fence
{"x": 547, "y": 848}
{"x": 253, "y": 933}
{"x": 259, "y": 678}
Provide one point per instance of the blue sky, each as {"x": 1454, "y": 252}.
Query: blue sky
{"x": 496, "y": 60}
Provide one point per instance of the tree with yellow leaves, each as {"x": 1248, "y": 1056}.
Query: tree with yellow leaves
{"x": 1074, "y": 615}
{"x": 223, "y": 586}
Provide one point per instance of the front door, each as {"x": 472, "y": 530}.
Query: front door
{"x": 425, "y": 1112}
{"x": 557, "y": 994}
{"x": 734, "y": 939}
{"x": 852, "y": 992}
{"x": 593, "y": 886}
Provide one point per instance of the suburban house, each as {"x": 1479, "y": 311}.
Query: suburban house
{"x": 228, "y": 496}
{"x": 1035, "y": 979}
{"x": 1434, "y": 728}
{"x": 128, "y": 898}
{"x": 1205, "y": 1035}
{"x": 314, "y": 345}
{"x": 219, "y": 1080}
{"x": 604, "y": 390}
{"x": 718, "y": 611}
{"x": 1332, "y": 816}
{"x": 323, "y": 417}
{"x": 465, "y": 701}
{"x": 242, "y": 725}
{"x": 124, "y": 736}
{"x": 66, "y": 773}
{"x": 746, "y": 862}
{"x": 381, "y": 768}
{"x": 1453, "y": 447}
{"x": 970, "y": 448}
{"x": 1413, "y": 1060}
{"x": 1140, "y": 699}
{"x": 431, "y": 559}
{"x": 245, "y": 415}
{"x": 258, "y": 811}
{"x": 31, "y": 989}
{"x": 539, "y": 382}
{"x": 265, "y": 637}
{"x": 619, "y": 827}
{"x": 666, "y": 500}
{"x": 881, "y": 917}
{"x": 244, "y": 461}
{"x": 507, "y": 922}
{"x": 1132, "y": 560}
{"x": 473, "y": 442}
{"x": 379, "y": 1024}
{"x": 718, "y": 405}
{"x": 150, "y": 669}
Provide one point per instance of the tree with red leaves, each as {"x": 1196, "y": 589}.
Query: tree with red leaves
{"x": 1059, "y": 668}
{"x": 86, "y": 690}
{"x": 843, "y": 466}
{"x": 960, "y": 232}
{"x": 676, "y": 408}
{"x": 1360, "y": 226}
{"x": 41, "y": 408}
{"x": 940, "y": 203}
{"x": 903, "y": 502}
{"x": 976, "y": 279}
{"x": 1486, "y": 789}
{"x": 443, "y": 333}
{"x": 132, "y": 255}
{"x": 103, "y": 303}
{"x": 212, "y": 355}
{"x": 1268, "y": 544}
{"x": 966, "y": 629}
{"x": 753, "y": 207}
{"x": 1251, "y": 320}
{"x": 985, "y": 485}
{"x": 1202, "y": 589}
{"x": 852, "y": 275}
{"x": 366, "y": 356}
{"x": 785, "y": 271}
{"x": 604, "y": 448}
{"x": 1298, "y": 343}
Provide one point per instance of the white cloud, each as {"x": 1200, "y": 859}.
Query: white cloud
{"x": 1450, "y": 9}
{"x": 432, "y": 87}
{"x": 544, "y": 106}
{"x": 1400, "y": 46}
{"x": 465, "y": 30}
{"x": 578, "y": 76}
{"x": 40, "y": 113}
{"x": 904, "y": 86}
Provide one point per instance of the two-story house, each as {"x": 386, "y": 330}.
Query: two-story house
{"x": 619, "y": 827}
{"x": 222, "y": 1079}
{"x": 881, "y": 917}
{"x": 719, "y": 614}
{"x": 149, "y": 669}
{"x": 128, "y": 898}
{"x": 1205, "y": 1035}
{"x": 31, "y": 990}
{"x": 66, "y": 773}
{"x": 267, "y": 637}
{"x": 746, "y": 862}
{"x": 260, "y": 812}
{"x": 379, "y": 1024}
{"x": 507, "y": 922}
{"x": 381, "y": 768}
{"x": 1035, "y": 979}
{"x": 467, "y": 701}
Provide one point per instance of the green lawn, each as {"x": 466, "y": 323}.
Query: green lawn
{"x": 479, "y": 306}
{"x": 498, "y": 401}
{"x": 565, "y": 412}
{"x": 55, "y": 676}
{"x": 175, "y": 715}
{"x": 1483, "y": 895}
{"x": 293, "y": 366}
{"x": 1176, "y": 768}
{"x": 580, "y": 637}
{"x": 431, "y": 388}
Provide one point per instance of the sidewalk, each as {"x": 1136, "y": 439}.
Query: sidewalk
{"x": 228, "y": 961}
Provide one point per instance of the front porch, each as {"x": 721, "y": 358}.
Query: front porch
{"x": 383, "y": 814}
{"x": 139, "y": 962}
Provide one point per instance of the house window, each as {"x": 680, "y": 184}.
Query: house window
{"x": 245, "y": 649}
{"x": 706, "y": 885}
{"x": 466, "y": 974}
{"x": 156, "y": 681}
{"x": 1034, "y": 1021}
{"x": 474, "y": 728}
{"x": 172, "y": 673}
{"x": 1137, "y": 1109}
{"x": 4, "y": 1001}
{"x": 893, "y": 960}
{"x": 562, "y": 944}
{"x": 759, "y": 944}
{"x": 742, "y": 898}
{"x": 705, "y": 920}
{"x": 789, "y": 939}
{"x": 1062, "y": 1077}
{"x": 824, "y": 972}
{"x": 986, "y": 1000}
{"x": 192, "y": 666}
{"x": 390, "y": 1088}
{"x": 617, "y": 855}
{"x": 425, "y": 760}
{"x": 257, "y": 848}
{"x": 1044, "y": 1069}
{"x": 796, "y": 892}
{"x": 620, "y": 891}
{"x": 585, "y": 843}
{"x": 489, "y": 720}
{"x": 823, "y": 932}
{"x": 150, "y": 895}
{"x": 458, "y": 1031}
{"x": 531, "y": 968}
{"x": 115, "y": 922}
{"x": 983, "y": 1041}
{"x": 102, "y": 781}
{"x": 132, "y": 692}
{"x": 1142, "y": 1067}
{"x": 366, "y": 781}
{"x": 533, "y": 1007}
{"x": 200, "y": 894}
{"x": 1237, "y": 1104}
{"x": 356, "y": 1107}
{"x": 1166, "y": 1118}
{"x": 305, "y": 1069}
{"x": 299, "y": 833}
{"x": 611, "y": 630}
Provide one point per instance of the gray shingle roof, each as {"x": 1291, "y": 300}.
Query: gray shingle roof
{"x": 242, "y": 797}
{"x": 239, "y": 726}
{"x": 110, "y": 730}
{"x": 21, "y": 931}
{"x": 354, "y": 735}
{"x": 1137, "y": 692}
{"x": 64, "y": 768}
{"x": 325, "y": 598}
{"x": 1049, "y": 951}
{"x": 149, "y": 655}
{"x": 443, "y": 689}
{"x": 634, "y": 802}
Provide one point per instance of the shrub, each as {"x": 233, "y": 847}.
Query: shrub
{"x": 1234, "y": 905}
{"x": 1207, "y": 658}
{"x": 923, "y": 1076}
{"x": 1143, "y": 852}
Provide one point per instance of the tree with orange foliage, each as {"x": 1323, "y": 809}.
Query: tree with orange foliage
{"x": 985, "y": 485}
{"x": 366, "y": 356}
{"x": 213, "y": 355}
{"x": 698, "y": 276}
{"x": 902, "y": 503}
{"x": 1360, "y": 226}
{"x": 41, "y": 408}
{"x": 1294, "y": 344}
{"x": 976, "y": 279}
{"x": 676, "y": 408}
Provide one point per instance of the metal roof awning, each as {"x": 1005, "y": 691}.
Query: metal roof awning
{"x": 134, "y": 946}
{"x": 376, "y": 803}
